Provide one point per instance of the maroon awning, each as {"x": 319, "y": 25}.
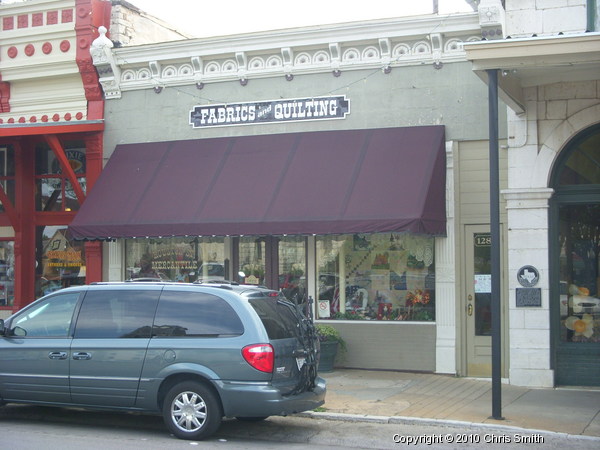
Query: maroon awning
{"x": 328, "y": 182}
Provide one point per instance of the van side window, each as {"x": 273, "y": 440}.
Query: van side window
{"x": 50, "y": 318}
{"x": 117, "y": 314}
{"x": 195, "y": 314}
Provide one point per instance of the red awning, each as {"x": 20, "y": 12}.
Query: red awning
{"x": 328, "y": 182}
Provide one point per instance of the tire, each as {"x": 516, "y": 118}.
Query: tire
{"x": 251, "y": 419}
{"x": 191, "y": 411}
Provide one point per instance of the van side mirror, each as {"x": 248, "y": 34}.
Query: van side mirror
{"x": 2, "y": 331}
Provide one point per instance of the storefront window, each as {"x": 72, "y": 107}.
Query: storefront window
{"x": 582, "y": 166}
{"x": 7, "y": 273}
{"x": 579, "y": 227}
{"x": 252, "y": 259}
{"x": 292, "y": 268}
{"x": 186, "y": 259}
{"x": 376, "y": 277}
{"x": 7, "y": 173}
{"x": 60, "y": 260}
{"x": 54, "y": 192}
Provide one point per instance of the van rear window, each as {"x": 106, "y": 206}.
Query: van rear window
{"x": 277, "y": 316}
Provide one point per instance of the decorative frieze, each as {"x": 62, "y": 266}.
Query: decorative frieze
{"x": 198, "y": 62}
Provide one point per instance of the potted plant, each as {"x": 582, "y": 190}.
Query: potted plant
{"x": 331, "y": 341}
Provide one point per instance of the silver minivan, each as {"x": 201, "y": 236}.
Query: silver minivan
{"x": 194, "y": 353}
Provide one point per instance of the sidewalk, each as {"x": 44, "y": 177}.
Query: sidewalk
{"x": 402, "y": 396}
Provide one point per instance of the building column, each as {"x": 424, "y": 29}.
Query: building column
{"x": 529, "y": 327}
{"x": 445, "y": 280}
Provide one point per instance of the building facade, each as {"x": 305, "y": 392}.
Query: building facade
{"x": 347, "y": 165}
{"x": 548, "y": 65}
{"x": 51, "y": 128}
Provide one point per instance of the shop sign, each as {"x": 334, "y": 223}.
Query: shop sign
{"x": 64, "y": 258}
{"x": 272, "y": 111}
{"x": 76, "y": 160}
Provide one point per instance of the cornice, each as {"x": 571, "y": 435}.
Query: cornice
{"x": 301, "y": 37}
{"x": 384, "y": 43}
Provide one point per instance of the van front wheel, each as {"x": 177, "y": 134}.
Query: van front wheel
{"x": 191, "y": 411}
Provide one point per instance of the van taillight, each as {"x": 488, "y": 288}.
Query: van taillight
{"x": 259, "y": 356}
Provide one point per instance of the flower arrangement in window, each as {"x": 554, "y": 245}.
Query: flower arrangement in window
{"x": 415, "y": 305}
{"x": 581, "y": 326}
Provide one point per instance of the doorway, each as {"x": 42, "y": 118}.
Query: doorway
{"x": 477, "y": 311}
{"x": 575, "y": 261}
{"x": 278, "y": 262}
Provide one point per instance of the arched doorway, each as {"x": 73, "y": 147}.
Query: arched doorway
{"x": 575, "y": 261}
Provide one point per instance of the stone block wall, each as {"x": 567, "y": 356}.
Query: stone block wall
{"x": 545, "y": 17}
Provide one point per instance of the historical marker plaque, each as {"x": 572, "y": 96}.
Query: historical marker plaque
{"x": 529, "y": 297}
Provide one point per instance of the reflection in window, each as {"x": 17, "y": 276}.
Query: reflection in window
{"x": 184, "y": 260}
{"x": 252, "y": 259}
{"x": 50, "y": 318}
{"x": 195, "y": 314}
{"x": 54, "y": 191}
{"x": 579, "y": 228}
{"x": 117, "y": 314}
{"x": 482, "y": 270}
{"x": 7, "y": 273}
{"x": 7, "y": 173}
{"x": 583, "y": 164}
{"x": 60, "y": 260}
{"x": 292, "y": 262}
{"x": 376, "y": 277}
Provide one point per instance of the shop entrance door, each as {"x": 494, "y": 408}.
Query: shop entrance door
{"x": 477, "y": 309}
{"x": 278, "y": 262}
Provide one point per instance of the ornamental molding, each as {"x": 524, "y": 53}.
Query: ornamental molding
{"x": 380, "y": 44}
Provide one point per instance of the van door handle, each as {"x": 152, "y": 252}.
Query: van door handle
{"x": 82, "y": 355}
{"x": 57, "y": 355}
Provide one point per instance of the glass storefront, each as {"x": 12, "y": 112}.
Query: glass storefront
{"x": 7, "y": 173}
{"x": 376, "y": 277}
{"x": 578, "y": 177}
{"x": 358, "y": 277}
{"x": 575, "y": 263}
{"x": 54, "y": 191}
{"x": 60, "y": 260}
{"x": 178, "y": 259}
{"x": 292, "y": 268}
{"x": 252, "y": 251}
{"x": 579, "y": 239}
{"x": 7, "y": 273}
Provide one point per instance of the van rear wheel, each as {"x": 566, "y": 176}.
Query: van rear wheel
{"x": 191, "y": 411}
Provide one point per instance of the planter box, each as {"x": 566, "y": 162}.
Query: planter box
{"x": 327, "y": 358}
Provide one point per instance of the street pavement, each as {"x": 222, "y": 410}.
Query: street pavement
{"x": 405, "y": 397}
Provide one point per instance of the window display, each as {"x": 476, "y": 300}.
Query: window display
{"x": 177, "y": 259}
{"x": 579, "y": 273}
{"x": 292, "y": 268}
{"x": 376, "y": 277}
{"x": 253, "y": 259}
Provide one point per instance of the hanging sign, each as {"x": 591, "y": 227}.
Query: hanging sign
{"x": 290, "y": 110}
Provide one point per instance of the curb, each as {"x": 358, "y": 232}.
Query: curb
{"x": 344, "y": 417}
